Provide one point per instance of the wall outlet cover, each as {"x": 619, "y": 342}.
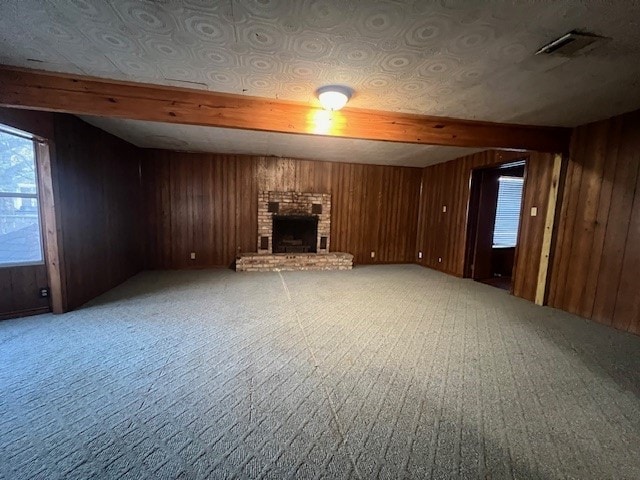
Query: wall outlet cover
{"x": 193, "y": 255}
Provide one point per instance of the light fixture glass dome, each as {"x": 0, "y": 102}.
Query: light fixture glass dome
{"x": 333, "y": 97}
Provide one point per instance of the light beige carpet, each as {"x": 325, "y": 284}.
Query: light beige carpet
{"x": 380, "y": 372}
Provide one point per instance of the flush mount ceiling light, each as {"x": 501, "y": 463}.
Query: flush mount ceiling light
{"x": 334, "y": 97}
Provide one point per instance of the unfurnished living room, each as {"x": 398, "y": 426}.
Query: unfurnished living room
{"x": 315, "y": 239}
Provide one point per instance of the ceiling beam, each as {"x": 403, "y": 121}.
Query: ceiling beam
{"x": 38, "y": 90}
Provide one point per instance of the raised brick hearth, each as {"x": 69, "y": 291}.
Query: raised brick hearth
{"x": 261, "y": 262}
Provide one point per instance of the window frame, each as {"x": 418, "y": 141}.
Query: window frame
{"x": 18, "y": 133}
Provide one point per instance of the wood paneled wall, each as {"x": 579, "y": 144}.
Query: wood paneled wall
{"x": 597, "y": 255}
{"x": 442, "y": 235}
{"x": 100, "y": 196}
{"x": 207, "y": 204}
{"x": 537, "y": 184}
{"x": 19, "y": 288}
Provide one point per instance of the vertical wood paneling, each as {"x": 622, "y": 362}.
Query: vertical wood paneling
{"x": 627, "y": 312}
{"x": 211, "y": 201}
{"x": 19, "y": 290}
{"x": 610, "y": 160}
{"x": 538, "y": 173}
{"x": 246, "y": 211}
{"x": 597, "y": 253}
{"x": 584, "y": 215}
{"x": 442, "y": 235}
{"x": 100, "y": 205}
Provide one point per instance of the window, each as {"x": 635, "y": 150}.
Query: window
{"x": 20, "y": 233}
{"x": 505, "y": 230}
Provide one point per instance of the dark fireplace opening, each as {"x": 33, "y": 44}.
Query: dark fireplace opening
{"x": 295, "y": 234}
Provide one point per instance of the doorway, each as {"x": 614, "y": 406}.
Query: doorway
{"x": 495, "y": 211}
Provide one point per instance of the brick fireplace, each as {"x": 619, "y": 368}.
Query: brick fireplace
{"x": 293, "y": 234}
{"x": 291, "y": 212}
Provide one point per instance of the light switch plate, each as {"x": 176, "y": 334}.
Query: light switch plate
{"x": 534, "y": 211}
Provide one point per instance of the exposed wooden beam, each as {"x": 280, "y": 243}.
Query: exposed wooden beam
{"x": 20, "y": 88}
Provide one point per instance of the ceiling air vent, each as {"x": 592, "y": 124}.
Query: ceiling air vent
{"x": 571, "y": 44}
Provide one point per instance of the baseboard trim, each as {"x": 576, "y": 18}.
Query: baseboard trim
{"x": 24, "y": 313}
{"x": 453, "y": 274}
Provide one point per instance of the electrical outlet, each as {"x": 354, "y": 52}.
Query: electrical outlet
{"x": 193, "y": 255}
{"x": 44, "y": 292}
{"x": 439, "y": 259}
{"x": 373, "y": 254}
{"x": 419, "y": 254}
{"x": 444, "y": 209}
{"x": 534, "y": 211}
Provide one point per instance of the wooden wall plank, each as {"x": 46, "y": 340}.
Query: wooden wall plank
{"x": 627, "y": 312}
{"x": 246, "y": 213}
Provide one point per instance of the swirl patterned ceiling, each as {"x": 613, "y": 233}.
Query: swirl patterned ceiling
{"x": 467, "y": 59}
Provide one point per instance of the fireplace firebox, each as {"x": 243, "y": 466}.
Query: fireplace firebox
{"x": 295, "y": 233}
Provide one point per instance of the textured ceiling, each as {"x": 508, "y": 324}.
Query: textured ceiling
{"x": 467, "y": 59}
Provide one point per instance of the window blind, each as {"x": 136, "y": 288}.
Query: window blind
{"x": 505, "y": 230}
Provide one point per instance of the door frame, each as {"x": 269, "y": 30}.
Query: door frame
{"x": 473, "y": 211}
